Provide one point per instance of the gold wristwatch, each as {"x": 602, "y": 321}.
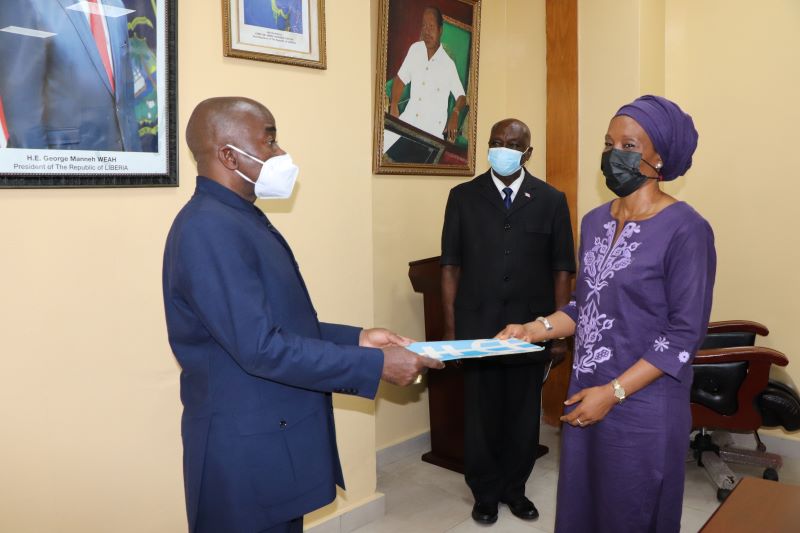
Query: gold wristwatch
{"x": 619, "y": 391}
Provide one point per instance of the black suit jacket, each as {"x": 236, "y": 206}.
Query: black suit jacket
{"x": 507, "y": 257}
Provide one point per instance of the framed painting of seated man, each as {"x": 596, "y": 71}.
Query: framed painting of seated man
{"x": 427, "y": 87}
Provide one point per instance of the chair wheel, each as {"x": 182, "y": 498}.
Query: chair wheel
{"x": 771, "y": 474}
{"x": 722, "y": 494}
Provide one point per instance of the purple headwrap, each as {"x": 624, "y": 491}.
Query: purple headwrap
{"x": 669, "y": 128}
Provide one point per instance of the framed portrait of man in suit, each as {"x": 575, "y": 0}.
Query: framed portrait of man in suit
{"x": 88, "y": 93}
{"x": 426, "y": 91}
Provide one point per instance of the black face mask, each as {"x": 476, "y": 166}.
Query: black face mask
{"x": 621, "y": 170}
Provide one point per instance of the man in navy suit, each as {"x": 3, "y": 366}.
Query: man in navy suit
{"x": 258, "y": 368}
{"x": 72, "y": 90}
{"x": 507, "y": 253}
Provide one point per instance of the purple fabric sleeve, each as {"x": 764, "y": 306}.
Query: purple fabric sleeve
{"x": 690, "y": 268}
{"x": 571, "y": 309}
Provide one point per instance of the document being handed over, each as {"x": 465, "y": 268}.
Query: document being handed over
{"x": 451, "y": 350}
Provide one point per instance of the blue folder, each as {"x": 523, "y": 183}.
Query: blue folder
{"x": 452, "y": 350}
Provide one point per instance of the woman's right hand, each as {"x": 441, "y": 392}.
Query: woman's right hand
{"x": 523, "y": 332}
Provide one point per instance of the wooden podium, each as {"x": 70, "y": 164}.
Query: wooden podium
{"x": 446, "y": 387}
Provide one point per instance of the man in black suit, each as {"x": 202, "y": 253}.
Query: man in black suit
{"x": 507, "y": 257}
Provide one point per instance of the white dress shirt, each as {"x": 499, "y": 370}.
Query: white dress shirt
{"x": 515, "y": 185}
{"x": 432, "y": 82}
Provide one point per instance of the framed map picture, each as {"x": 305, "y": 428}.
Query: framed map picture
{"x": 426, "y": 94}
{"x": 281, "y": 31}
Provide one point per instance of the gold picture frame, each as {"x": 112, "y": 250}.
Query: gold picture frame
{"x": 285, "y": 31}
{"x": 427, "y": 130}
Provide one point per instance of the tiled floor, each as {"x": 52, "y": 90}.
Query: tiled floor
{"x": 427, "y": 499}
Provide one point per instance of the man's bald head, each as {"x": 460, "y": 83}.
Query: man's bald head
{"x": 511, "y": 128}
{"x": 225, "y": 120}
{"x": 217, "y": 125}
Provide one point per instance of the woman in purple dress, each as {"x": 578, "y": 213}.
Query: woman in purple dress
{"x": 639, "y": 314}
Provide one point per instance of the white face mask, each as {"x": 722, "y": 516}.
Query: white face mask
{"x": 277, "y": 177}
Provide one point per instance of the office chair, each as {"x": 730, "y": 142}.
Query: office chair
{"x": 732, "y": 392}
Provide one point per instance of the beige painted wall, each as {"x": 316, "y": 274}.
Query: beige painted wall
{"x": 734, "y": 65}
{"x": 739, "y": 82}
{"x": 408, "y": 211}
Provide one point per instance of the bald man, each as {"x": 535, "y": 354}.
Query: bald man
{"x": 507, "y": 252}
{"x": 258, "y": 368}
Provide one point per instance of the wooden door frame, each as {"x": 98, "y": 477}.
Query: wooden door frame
{"x": 562, "y": 151}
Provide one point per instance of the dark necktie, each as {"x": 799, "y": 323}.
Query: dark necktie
{"x": 507, "y": 200}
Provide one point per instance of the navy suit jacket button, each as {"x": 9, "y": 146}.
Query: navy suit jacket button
{"x": 283, "y": 424}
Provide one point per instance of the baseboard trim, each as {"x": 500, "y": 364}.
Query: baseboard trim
{"x": 353, "y": 518}
{"x": 374, "y": 508}
{"x": 413, "y": 446}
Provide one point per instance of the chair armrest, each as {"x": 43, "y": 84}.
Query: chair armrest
{"x": 752, "y": 354}
{"x": 730, "y": 326}
{"x": 748, "y": 417}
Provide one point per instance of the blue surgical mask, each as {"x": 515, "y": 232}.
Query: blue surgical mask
{"x": 505, "y": 161}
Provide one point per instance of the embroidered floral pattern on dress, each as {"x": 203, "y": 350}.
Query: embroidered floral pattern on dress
{"x": 600, "y": 264}
{"x": 683, "y": 357}
{"x": 661, "y": 344}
